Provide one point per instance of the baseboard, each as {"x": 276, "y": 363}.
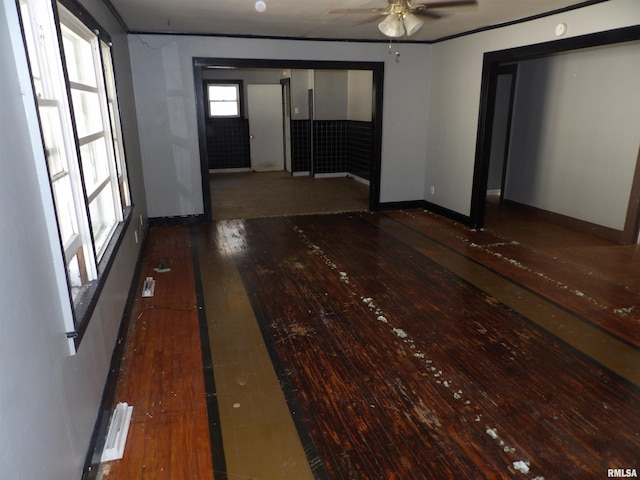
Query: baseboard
{"x": 431, "y": 207}
{"x": 107, "y": 404}
{"x": 178, "y": 220}
{"x": 403, "y": 205}
{"x": 450, "y": 214}
{"x": 359, "y": 179}
{"x": 566, "y": 221}
{"x": 230, "y": 170}
{"x": 331, "y": 175}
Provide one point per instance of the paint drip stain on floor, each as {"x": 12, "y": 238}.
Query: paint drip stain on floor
{"x": 422, "y": 412}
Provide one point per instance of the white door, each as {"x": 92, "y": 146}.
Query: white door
{"x": 264, "y": 104}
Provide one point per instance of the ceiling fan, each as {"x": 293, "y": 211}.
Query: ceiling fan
{"x": 403, "y": 16}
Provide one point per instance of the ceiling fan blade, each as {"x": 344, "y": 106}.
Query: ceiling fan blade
{"x": 378, "y": 11}
{"x": 445, "y": 4}
{"x": 429, "y": 14}
{"x": 373, "y": 18}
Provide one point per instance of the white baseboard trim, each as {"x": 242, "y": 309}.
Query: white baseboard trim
{"x": 331, "y": 175}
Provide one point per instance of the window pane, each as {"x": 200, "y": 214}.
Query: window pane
{"x": 53, "y": 139}
{"x": 223, "y": 92}
{"x": 116, "y": 128}
{"x": 29, "y": 38}
{"x": 95, "y": 166}
{"x": 79, "y": 57}
{"x": 86, "y": 107}
{"x": 65, "y": 208}
{"x": 223, "y": 109}
{"x": 103, "y": 218}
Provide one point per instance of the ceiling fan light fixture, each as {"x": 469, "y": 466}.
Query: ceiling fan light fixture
{"x": 412, "y": 23}
{"x": 392, "y": 26}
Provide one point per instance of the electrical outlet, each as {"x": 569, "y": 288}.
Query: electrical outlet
{"x": 433, "y": 190}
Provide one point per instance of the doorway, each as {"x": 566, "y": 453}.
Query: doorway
{"x": 501, "y": 131}
{"x": 374, "y": 126}
{"x": 551, "y": 180}
{"x": 264, "y": 105}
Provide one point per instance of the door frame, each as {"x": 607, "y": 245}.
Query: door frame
{"x": 286, "y": 123}
{"x": 201, "y": 63}
{"x": 512, "y": 71}
{"x": 492, "y": 62}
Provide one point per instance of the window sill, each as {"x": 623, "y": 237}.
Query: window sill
{"x": 85, "y": 304}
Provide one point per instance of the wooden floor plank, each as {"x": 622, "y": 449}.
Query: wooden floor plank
{"x": 259, "y": 436}
{"x": 453, "y": 384}
{"x": 580, "y": 284}
{"x": 162, "y": 372}
{"x": 403, "y": 352}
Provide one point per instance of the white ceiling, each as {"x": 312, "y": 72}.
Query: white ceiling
{"x": 310, "y": 18}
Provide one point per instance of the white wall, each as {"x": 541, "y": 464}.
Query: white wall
{"x": 576, "y": 133}
{"x": 300, "y": 94}
{"x": 455, "y": 91}
{"x": 331, "y": 94}
{"x": 49, "y": 400}
{"x": 165, "y": 101}
{"x": 268, "y": 76}
{"x": 360, "y": 95}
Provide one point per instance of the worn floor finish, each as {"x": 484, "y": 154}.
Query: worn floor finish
{"x": 268, "y": 194}
{"x": 378, "y": 346}
{"x": 162, "y": 372}
{"x": 406, "y": 371}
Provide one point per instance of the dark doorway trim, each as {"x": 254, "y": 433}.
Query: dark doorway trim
{"x": 200, "y": 63}
{"x": 511, "y": 70}
{"x": 492, "y": 63}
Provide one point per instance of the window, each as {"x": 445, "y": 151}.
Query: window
{"x": 74, "y": 85}
{"x": 224, "y": 99}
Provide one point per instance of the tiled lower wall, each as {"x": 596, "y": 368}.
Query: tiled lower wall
{"x": 338, "y": 146}
{"x": 359, "y": 141}
{"x": 228, "y": 143}
{"x": 300, "y": 146}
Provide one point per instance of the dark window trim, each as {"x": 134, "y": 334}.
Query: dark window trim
{"x": 85, "y": 305}
{"x": 85, "y": 17}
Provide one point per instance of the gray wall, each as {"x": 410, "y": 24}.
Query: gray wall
{"x": 576, "y": 133}
{"x": 456, "y": 68}
{"x": 248, "y": 76}
{"x": 360, "y": 95}
{"x": 331, "y": 94}
{"x": 499, "y": 132}
{"x": 49, "y": 399}
{"x": 163, "y": 79}
{"x": 356, "y": 91}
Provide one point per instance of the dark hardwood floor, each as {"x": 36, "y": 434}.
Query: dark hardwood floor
{"x": 385, "y": 345}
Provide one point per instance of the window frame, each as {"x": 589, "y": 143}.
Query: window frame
{"x": 51, "y": 65}
{"x": 239, "y": 86}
